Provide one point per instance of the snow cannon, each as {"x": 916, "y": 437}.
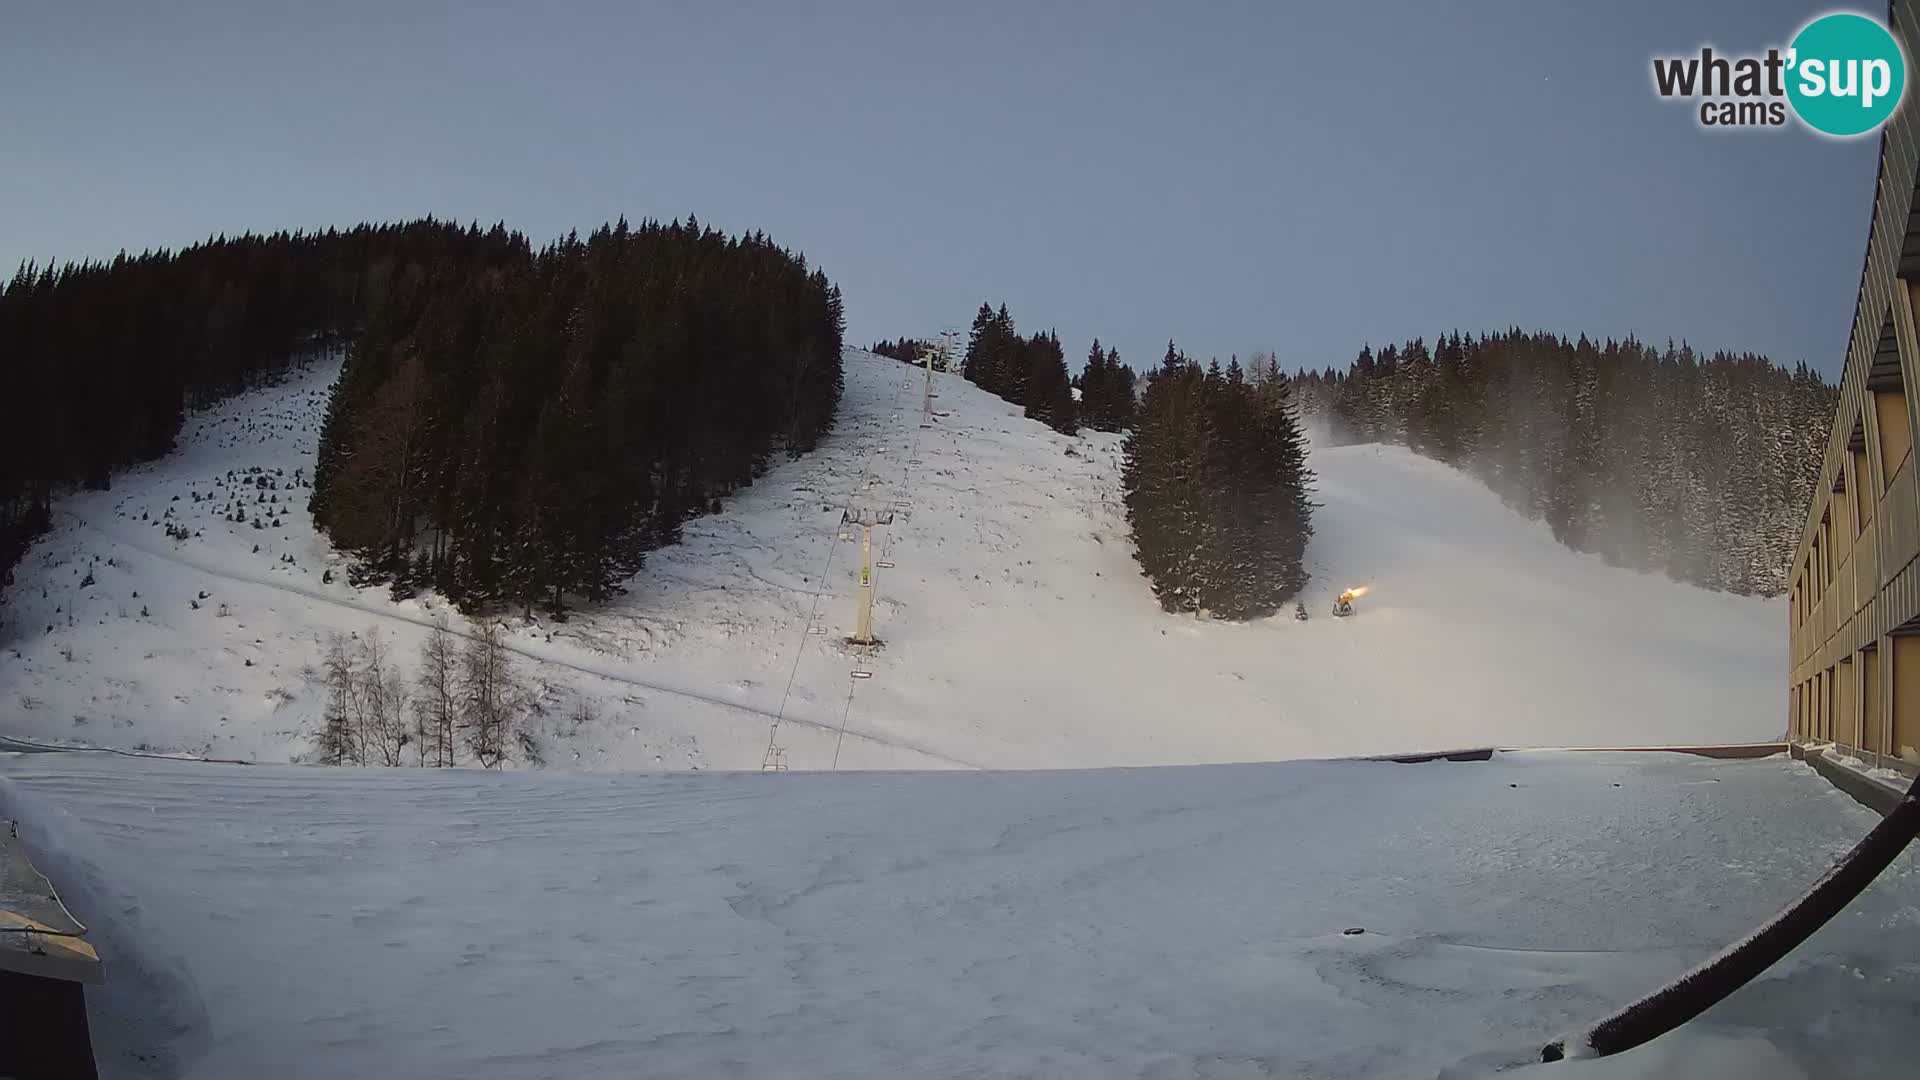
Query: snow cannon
{"x": 1343, "y": 605}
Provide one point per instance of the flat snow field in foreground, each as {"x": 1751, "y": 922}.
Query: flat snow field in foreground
{"x": 1170, "y": 922}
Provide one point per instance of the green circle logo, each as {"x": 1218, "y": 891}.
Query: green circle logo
{"x": 1845, "y": 74}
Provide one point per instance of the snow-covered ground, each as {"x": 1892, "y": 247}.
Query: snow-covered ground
{"x": 1018, "y": 632}
{"x": 1180, "y": 922}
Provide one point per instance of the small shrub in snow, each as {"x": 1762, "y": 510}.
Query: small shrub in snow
{"x": 529, "y": 749}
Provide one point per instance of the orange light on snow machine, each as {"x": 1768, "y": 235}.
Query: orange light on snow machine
{"x": 1343, "y": 605}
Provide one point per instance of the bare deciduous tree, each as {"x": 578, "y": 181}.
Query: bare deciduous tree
{"x": 383, "y": 698}
{"x": 492, "y": 698}
{"x": 338, "y": 741}
{"x": 436, "y": 709}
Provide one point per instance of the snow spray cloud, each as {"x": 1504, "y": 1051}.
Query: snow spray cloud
{"x": 1842, "y": 75}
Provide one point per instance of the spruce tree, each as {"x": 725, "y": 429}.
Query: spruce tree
{"x": 1216, "y": 490}
{"x": 974, "y": 367}
{"x": 1172, "y": 478}
{"x": 1049, "y": 393}
{"x": 1095, "y": 390}
{"x": 1121, "y": 399}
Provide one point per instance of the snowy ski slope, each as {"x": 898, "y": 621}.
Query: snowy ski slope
{"x": 1179, "y": 922}
{"x": 1017, "y": 630}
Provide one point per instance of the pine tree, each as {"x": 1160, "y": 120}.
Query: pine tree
{"x": 977, "y": 366}
{"x": 1172, "y": 478}
{"x": 1010, "y": 359}
{"x": 1096, "y": 389}
{"x": 1049, "y": 392}
{"x": 1121, "y": 393}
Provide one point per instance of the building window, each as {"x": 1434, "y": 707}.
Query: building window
{"x": 1886, "y": 384}
{"x": 1857, "y": 473}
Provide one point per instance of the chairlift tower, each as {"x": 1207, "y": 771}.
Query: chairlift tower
{"x": 868, "y": 520}
{"x": 946, "y": 355}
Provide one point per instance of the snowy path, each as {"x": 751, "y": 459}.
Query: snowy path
{"x": 1183, "y": 922}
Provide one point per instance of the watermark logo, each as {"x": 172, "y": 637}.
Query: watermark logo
{"x": 1842, "y": 75}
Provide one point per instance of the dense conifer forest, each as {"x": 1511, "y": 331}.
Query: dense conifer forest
{"x": 1032, "y": 372}
{"x": 906, "y": 350}
{"x": 518, "y": 428}
{"x": 1108, "y": 390}
{"x": 1701, "y": 467}
{"x": 1217, "y": 488}
{"x": 513, "y": 426}
{"x": 1026, "y": 371}
{"x": 102, "y": 359}
{"x": 526, "y": 436}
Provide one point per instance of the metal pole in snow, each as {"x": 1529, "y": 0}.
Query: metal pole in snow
{"x": 863, "y": 616}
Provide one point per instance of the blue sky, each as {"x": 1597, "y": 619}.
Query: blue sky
{"x": 1235, "y": 175}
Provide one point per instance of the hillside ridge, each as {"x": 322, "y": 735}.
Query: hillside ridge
{"x": 1017, "y": 630}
